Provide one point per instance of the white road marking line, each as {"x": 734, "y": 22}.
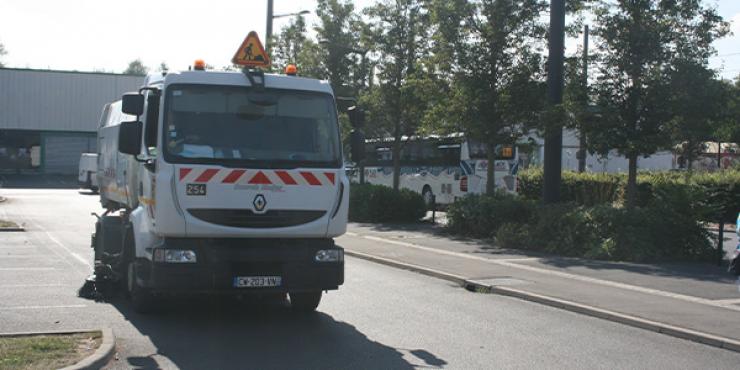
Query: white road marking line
{"x": 33, "y": 286}
{"x": 566, "y": 275}
{"x": 56, "y": 241}
{"x": 727, "y": 301}
{"x": 42, "y": 307}
{"x": 26, "y": 268}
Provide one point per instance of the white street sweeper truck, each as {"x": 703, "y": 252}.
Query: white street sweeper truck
{"x": 223, "y": 182}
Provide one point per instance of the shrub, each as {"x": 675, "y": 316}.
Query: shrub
{"x": 563, "y": 229}
{"x": 719, "y": 192}
{"x": 584, "y": 188}
{"x": 665, "y": 230}
{"x": 482, "y": 215}
{"x": 377, "y": 203}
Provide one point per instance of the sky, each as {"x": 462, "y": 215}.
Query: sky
{"x": 105, "y": 35}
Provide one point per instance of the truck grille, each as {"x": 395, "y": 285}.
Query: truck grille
{"x": 248, "y": 219}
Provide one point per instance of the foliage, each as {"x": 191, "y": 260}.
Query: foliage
{"x": 398, "y": 103}
{"x": 728, "y": 127}
{"x": 697, "y": 102}
{"x": 661, "y": 231}
{"x": 2, "y": 52}
{"x": 716, "y": 193}
{"x": 378, "y": 203}
{"x": 482, "y": 215}
{"x": 292, "y": 46}
{"x": 584, "y": 189}
{"x": 641, "y": 44}
{"x": 336, "y": 38}
{"x": 492, "y": 49}
{"x": 136, "y": 68}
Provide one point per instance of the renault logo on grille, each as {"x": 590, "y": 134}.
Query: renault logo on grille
{"x": 259, "y": 203}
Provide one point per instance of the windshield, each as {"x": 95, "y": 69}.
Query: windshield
{"x": 244, "y": 127}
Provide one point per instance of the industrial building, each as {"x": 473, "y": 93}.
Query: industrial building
{"x": 47, "y": 118}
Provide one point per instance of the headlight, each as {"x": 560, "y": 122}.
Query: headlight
{"x": 174, "y": 256}
{"x": 329, "y": 255}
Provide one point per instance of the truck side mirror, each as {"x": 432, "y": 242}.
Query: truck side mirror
{"x": 357, "y": 146}
{"x": 133, "y": 103}
{"x": 129, "y": 137}
{"x": 356, "y": 116}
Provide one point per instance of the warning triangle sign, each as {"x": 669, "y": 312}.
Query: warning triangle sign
{"x": 251, "y": 53}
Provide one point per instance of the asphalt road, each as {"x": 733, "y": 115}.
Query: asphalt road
{"x": 381, "y": 318}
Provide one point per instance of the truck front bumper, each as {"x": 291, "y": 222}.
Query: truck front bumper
{"x": 220, "y": 261}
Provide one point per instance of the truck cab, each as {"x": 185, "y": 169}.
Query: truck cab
{"x": 223, "y": 182}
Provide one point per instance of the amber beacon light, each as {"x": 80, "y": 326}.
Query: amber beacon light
{"x": 291, "y": 70}
{"x": 199, "y": 65}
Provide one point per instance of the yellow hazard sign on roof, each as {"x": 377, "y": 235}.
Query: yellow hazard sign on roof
{"x": 251, "y": 53}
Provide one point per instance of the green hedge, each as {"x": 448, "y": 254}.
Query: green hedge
{"x": 481, "y": 216}
{"x": 666, "y": 229}
{"x": 719, "y": 192}
{"x": 377, "y": 203}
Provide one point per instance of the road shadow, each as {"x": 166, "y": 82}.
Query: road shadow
{"x": 699, "y": 271}
{"x": 226, "y": 333}
{"x": 38, "y": 181}
{"x": 686, "y": 270}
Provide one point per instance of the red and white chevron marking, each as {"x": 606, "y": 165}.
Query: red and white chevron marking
{"x": 256, "y": 177}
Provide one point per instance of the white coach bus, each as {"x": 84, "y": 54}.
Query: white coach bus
{"x": 442, "y": 169}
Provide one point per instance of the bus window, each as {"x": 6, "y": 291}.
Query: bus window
{"x": 478, "y": 151}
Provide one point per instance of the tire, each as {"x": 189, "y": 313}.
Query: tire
{"x": 428, "y": 196}
{"x": 141, "y": 298}
{"x": 305, "y": 301}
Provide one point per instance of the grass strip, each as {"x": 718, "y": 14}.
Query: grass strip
{"x": 46, "y": 351}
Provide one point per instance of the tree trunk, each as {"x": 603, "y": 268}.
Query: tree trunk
{"x": 396, "y": 153}
{"x": 632, "y": 181}
{"x": 491, "y": 169}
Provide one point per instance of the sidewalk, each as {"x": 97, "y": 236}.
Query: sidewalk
{"x": 697, "y": 297}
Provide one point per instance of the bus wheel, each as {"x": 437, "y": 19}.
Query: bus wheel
{"x": 428, "y": 196}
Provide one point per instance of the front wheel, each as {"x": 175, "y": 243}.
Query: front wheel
{"x": 141, "y": 298}
{"x": 305, "y": 301}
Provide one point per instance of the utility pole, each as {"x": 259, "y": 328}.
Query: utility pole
{"x": 582, "y": 137}
{"x": 268, "y": 34}
{"x": 554, "y": 133}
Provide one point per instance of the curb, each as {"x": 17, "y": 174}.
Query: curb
{"x": 407, "y": 266}
{"x": 11, "y": 229}
{"x": 95, "y": 361}
{"x": 479, "y": 287}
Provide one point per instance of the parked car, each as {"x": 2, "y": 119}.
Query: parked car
{"x": 88, "y": 171}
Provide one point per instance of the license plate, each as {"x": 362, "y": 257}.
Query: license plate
{"x": 257, "y": 281}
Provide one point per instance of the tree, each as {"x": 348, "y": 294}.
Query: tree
{"x": 2, "y": 52}
{"x": 698, "y": 103}
{"x": 491, "y": 49}
{"x": 728, "y": 127}
{"x": 291, "y": 46}
{"x": 136, "y": 68}
{"x": 163, "y": 67}
{"x": 397, "y": 103}
{"x": 337, "y": 38}
{"x": 639, "y": 43}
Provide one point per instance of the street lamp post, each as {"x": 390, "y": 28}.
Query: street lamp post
{"x": 271, "y": 16}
